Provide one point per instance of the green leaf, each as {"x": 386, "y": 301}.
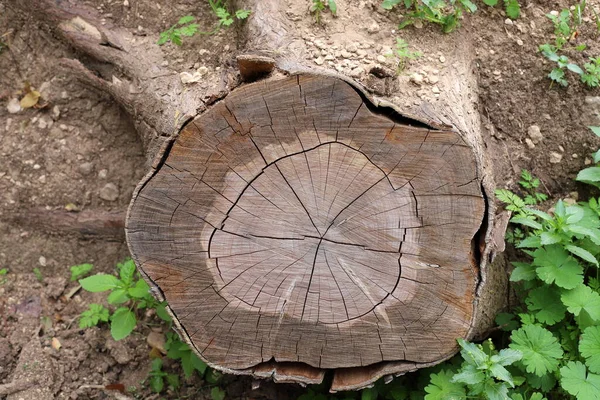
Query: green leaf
{"x": 523, "y": 272}
{"x": 575, "y": 68}
{"x": 189, "y": 30}
{"x": 582, "y": 253}
{"x": 126, "y": 271}
{"x": 530, "y": 242}
{"x": 332, "y": 6}
{"x": 595, "y": 130}
{"x": 490, "y": 2}
{"x": 558, "y": 75}
{"x": 545, "y": 303}
{"x": 582, "y": 298}
{"x": 117, "y": 296}
{"x": 94, "y": 314}
{"x": 78, "y": 271}
{"x": 500, "y": 373}
{"x": 441, "y": 387}
{"x": 389, "y": 4}
{"x": 100, "y": 283}
{"x": 513, "y": 9}
{"x": 122, "y": 323}
{"x": 186, "y": 20}
{"x": 173, "y": 381}
{"x": 545, "y": 382}
{"x": 140, "y": 290}
{"x": 527, "y": 222}
{"x": 242, "y": 14}
{"x": 556, "y": 266}
{"x": 495, "y": 390}
{"x": 162, "y": 312}
{"x": 506, "y": 357}
{"x": 471, "y": 353}
{"x": 197, "y": 363}
{"x": 591, "y": 174}
{"x": 469, "y": 375}
{"x": 217, "y": 393}
{"x": 156, "y": 383}
{"x": 507, "y": 322}
{"x": 550, "y": 238}
{"x": 577, "y": 382}
{"x": 469, "y": 5}
{"x": 589, "y": 347}
{"x": 541, "y": 351}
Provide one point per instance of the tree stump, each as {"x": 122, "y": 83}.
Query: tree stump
{"x": 297, "y": 225}
{"x": 296, "y": 222}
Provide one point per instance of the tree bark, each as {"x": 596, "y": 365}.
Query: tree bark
{"x": 301, "y": 224}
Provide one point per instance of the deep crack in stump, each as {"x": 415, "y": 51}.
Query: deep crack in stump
{"x": 293, "y": 226}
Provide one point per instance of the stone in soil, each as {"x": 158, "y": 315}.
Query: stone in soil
{"x": 109, "y": 192}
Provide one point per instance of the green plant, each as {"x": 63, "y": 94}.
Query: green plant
{"x": 446, "y": 13}
{"x": 38, "y": 274}
{"x": 158, "y": 377}
{"x": 403, "y": 54}
{"x": 183, "y": 27}
{"x": 178, "y": 350}
{"x": 130, "y": 291}
{"x": 3, "y": 273}
{"x": 591, "y": 175}
{"x": 591, "y": 76}
{"x": 318, "y": 6}
{"x": 512, "y": 7}
{"x": 530, "y": 184}
{"x": 558, "y": 74}
{"x": 79, "y": 271}
{"x": 93, "y": 315}
{"x": 186, "y": 26}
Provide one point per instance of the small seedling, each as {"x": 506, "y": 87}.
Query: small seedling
{"x": 558, "y": 74}
{"x": 129, "y": 290}
{"x": 591, "y": 76}
{"x": 591, "y": 175}
{"x": 79, "y": 271}
{"x": 178, "y": 350}
{"x": 38, "y": 274}
{"x": 512, "y": 7}
{"x": 403, "y": 54}
{"x": 530, "y": 184}
{"x": 93, "y": 315}
{"x": 158, "y": 377}
{"x": 318, "y": 6}
{"x": 186, "y": 26}
{"x": 3, "y": 273}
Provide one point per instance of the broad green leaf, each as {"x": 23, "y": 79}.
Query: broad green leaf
{"x": 156, "y": 383}
{"x": 332, "y": 6}
{"x": 389, "y": 4}
{"x": 575, "y": 68}
{"x": 589, "y": 347}
{"x": 469, "y": 5}
{"x": 117, "y": 296}
{"x": 507, "y": 322}
{"x": 556, "y": 266}
{"x": 471, "y": 353}
{"x": 545, "y": 382}
{"x": 595, "y": 130}
{"x": 523, "y": 272}
{"x": 582, "y": 298}
{"x": 527, "y": 222}
{"x": 506, "y": 357}
{"x": 198, "y": 364}
{"x": 582, "y": 253}
{"x": 469, "y": 375}
{"x": 495, "y": 390}
{"x": 500, "y": 373}
{"x": 545, "y": 303}
{"x": 122, "y": 323}
{"x": 140, "y": 290}
{"x": 591, "y": 174}
{"x": 531, "y": 242}
{"x": 541, "y": 351}
{"x": 578, "y": 382}
{"x": 490, "y": 2}
{"x": 550, "y": 238}
{"x": 126, "y": 271}
{"x": 162, "y": 312}
{"x": 100, "y": 283}
{"x": 369, "y": 394}
{"x": 217, "y": 393}
{"x": 513, "y": 8}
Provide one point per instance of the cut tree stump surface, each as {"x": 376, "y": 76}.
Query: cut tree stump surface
{"x": 296, "y": 222}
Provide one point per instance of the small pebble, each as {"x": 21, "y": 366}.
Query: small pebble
{"x": 442, "y": 59}
{"x": 319, "y": 61}
{"x": 555, "y": 157}
{"x": 519, "y": 42}
{"x": 508, "y": 21}
{"x": 42, "y": 261}
{"x": 103, "y": 173}
{"x": 109, "y": 192}
{"x": 417, "y": 79}
{"x": 529, "y": 143}
{"x": 535, "y": 134}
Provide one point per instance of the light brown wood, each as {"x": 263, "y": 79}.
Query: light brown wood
{"x": 293, "y": 222}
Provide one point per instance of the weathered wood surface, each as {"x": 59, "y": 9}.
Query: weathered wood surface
{"x": 294, "y": 225}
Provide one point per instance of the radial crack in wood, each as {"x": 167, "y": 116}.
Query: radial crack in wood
{"x": 294, "y": 226}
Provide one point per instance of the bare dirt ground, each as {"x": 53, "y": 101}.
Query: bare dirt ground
{"x": 82, "y": 151}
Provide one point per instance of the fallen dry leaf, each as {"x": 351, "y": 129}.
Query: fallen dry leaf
{"x": 56, "y": 344}
{"x": 30, "y": 99}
